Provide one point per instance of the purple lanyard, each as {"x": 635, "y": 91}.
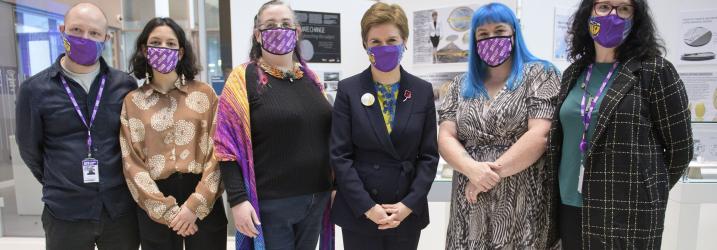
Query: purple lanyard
{"x": 79, "y": 111}
{"x": 587, "y": 116}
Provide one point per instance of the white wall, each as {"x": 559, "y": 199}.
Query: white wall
{"x": 538, "y": 31}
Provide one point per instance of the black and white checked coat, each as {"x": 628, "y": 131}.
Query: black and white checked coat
{"x": 641, "y": 146}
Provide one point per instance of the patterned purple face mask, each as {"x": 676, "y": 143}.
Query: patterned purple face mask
{"x": 82, "y": 51}
{"x": 163, "y": 60}
{"x": 609, "y": 31}
{"x": 494, "y": 51}
{"x": 278, "y": 41}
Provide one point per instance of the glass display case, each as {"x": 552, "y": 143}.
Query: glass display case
{"x": 703, "y": 168}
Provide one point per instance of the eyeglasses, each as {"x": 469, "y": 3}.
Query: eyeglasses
{"x": 268, "y": 26}
{"x": 604, "y": 8}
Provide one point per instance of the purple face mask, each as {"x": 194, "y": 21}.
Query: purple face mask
{"x": 494, "y": 51}
{"x": 163, "y": 60}
{"x": 385, "y": 58}
{"x": 82, "y": 51}
{"x": 609, "y": 31}
{"x": 278, "y": 41}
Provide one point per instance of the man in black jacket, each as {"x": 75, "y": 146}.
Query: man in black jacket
{"x": 68, "y": 130}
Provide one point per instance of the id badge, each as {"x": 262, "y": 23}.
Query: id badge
{"x": 91, "y": 170}
{"x": 580, "y": 179}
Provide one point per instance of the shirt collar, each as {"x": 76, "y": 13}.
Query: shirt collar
{"x": 181, "y": 85}
{"x": 56, "y": 67}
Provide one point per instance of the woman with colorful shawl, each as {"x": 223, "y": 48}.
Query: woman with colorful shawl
{"x": 271, "y": 141}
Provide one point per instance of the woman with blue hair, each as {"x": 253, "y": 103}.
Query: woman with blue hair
{"x": 494, "y": 125}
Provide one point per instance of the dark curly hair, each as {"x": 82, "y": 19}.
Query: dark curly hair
{"x": 187, "y": 66}
{"x": 642, "y": 42}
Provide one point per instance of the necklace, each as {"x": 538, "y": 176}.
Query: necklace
{"x": 295, "y": 73}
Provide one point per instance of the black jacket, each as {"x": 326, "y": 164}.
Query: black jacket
{"x": 52, "y": 142}
{"x": 641, "y": 147}
{"x": 374, "y": 168}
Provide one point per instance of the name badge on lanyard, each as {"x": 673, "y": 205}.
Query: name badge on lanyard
{"x": 586, "y": 113}
{"x": 90, "y": 166}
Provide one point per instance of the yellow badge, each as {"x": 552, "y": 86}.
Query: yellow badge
{"x": 67, "y": 44}
{"x": 594, "y": 28}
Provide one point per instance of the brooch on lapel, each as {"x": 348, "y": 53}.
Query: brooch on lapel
{"x": 407, "y": 95}
{"x": 367, "y": 99}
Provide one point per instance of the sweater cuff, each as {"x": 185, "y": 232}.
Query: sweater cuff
{"x": 233, "y": 182}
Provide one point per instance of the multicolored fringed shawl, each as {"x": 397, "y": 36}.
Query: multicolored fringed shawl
{"x": 232, "y": 142}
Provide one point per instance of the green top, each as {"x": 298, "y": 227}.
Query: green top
{"x": 571, "y": 121}
{"x": 387, "y": 95}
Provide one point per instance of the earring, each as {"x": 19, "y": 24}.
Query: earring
{"x": 146, "y": 75}
{"x": 183, "y": 80}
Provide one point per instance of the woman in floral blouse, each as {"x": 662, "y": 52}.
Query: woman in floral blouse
{"x": 167, "y": 149}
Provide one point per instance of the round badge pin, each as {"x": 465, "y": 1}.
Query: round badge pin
{"x": 367, "y": 99}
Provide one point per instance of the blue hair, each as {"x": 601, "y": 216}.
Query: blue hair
{"x": 472, "y": 86}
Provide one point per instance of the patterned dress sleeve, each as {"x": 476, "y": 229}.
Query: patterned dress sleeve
{"x": 451, "y": 95}
{"x": 144, "y": 190}
{"x": 544, "y": 85}
{"x": 208, "y": 190}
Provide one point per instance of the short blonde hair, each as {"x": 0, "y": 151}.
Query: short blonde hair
{"x": 382, "y": 13}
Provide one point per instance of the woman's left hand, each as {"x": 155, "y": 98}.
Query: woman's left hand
{"x": 472, "y": 191}
{"x": 398, "y": 212}
{"x": 183, "y": 221}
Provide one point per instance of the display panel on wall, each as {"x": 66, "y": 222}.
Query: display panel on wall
{"x": 321, "y": 39}
{"x": 440, "y": 82}
{"x": 702, "y": 92}
{"x": 698, "y": 37}
{"x": 442, "y": 35}
{"x": 560, "y": 32}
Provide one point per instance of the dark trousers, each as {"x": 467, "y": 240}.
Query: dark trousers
{"x": 120, "y": 233}
{"x": 359, "y": 241}
{"x": 293, "y": 223}
{"x": 212, "y": 233}
{"x": 570, "y": 227}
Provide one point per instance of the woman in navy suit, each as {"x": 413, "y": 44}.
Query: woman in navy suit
{"x": 383, "y": 142}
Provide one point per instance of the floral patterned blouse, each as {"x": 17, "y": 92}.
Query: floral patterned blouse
{"x": 166, "y": 133}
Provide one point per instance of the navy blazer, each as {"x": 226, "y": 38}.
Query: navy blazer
{"x": 373, "y": 167}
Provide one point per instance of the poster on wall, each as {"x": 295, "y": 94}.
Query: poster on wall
{"x": 560, "y": 35}
{"x": 702, "y": 92}
{"x": 698, "y": 41}
{"x": 331, "y": 83}
{"x": 440, "y": 82}
{"x": 442, "y": 35}
{"x": 321, "y": 38}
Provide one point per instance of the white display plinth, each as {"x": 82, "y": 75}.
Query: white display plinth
{"x": 690, "y": 196}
